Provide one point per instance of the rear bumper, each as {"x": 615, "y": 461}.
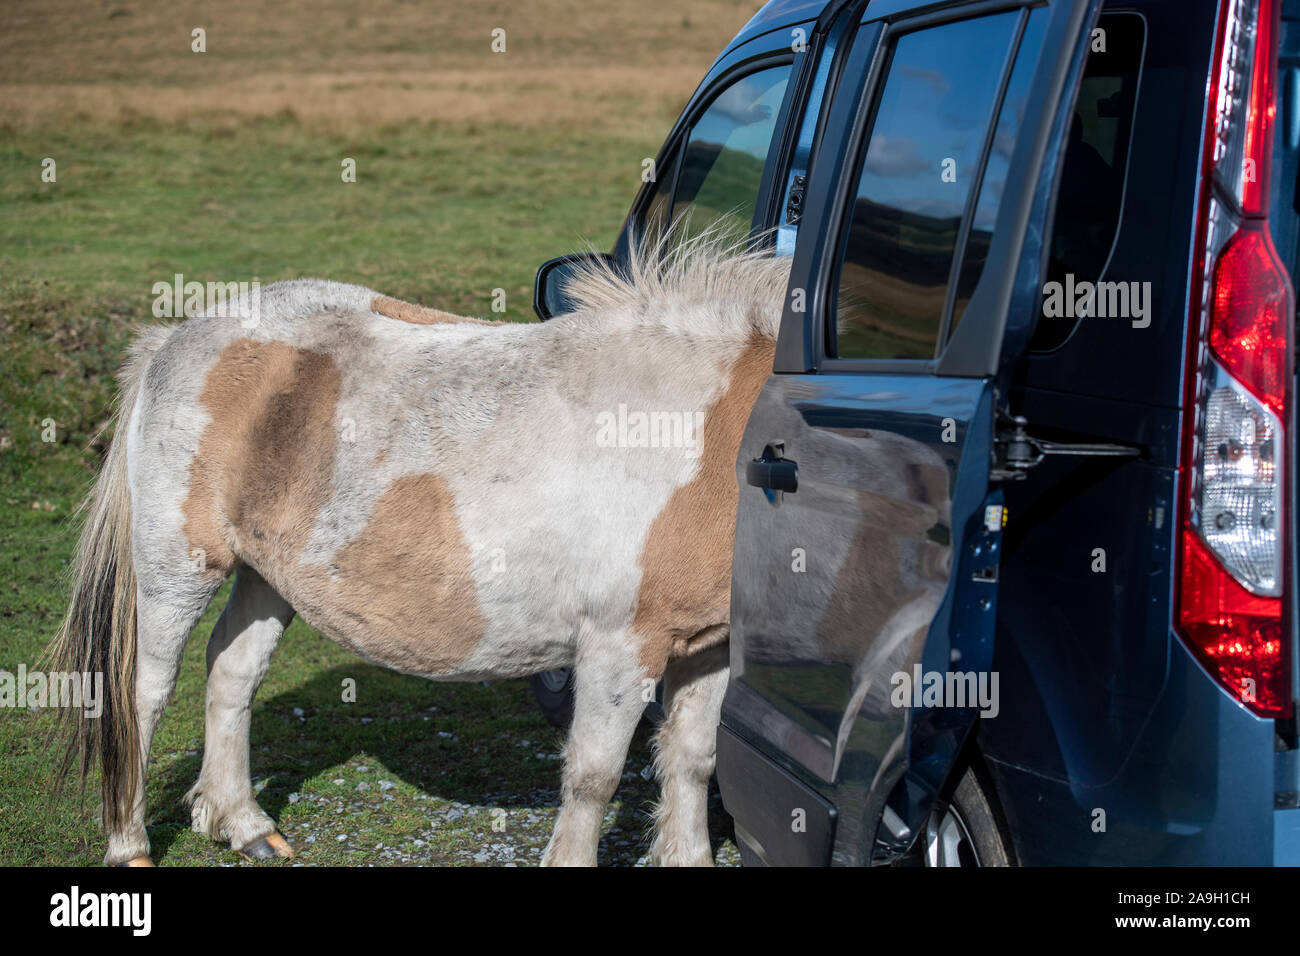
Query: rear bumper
{"x": 1286, "y": 837}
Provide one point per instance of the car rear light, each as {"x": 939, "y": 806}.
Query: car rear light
{"x": 1244, "y": 102}
{"x": 1232, "y": 611}
{"x": 1250, "y": 313}
{"x": 1238, "y": 492}
{"x": 1237, "y": 636}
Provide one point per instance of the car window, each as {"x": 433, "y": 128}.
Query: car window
{"x": 659, "y": 207}
{"x": 919, "y": 166}
{"x": 980, "y": 237}
{"x": 724, "y": 155}
{"x": 1091, "y": 195}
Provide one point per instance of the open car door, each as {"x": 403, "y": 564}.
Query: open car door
{"x": 870, "y": 519}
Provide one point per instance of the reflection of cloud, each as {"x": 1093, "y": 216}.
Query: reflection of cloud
{"x": 739, "y": 103}
{"x": 894, "y": 156}
{"x": 931, "y": 78}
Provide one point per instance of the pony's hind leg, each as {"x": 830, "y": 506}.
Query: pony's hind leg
{"x": 685, "y": 751}
{"x": 239, "y": 652}
{"x": 608, "y": 703}
{"x": 163, "y": 626}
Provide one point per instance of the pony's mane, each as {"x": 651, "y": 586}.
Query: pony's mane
{"x": 707, "y": 284}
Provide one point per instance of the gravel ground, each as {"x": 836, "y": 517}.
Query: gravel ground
{"x": 504, "y": 829}
{"x": 481, "y": 793}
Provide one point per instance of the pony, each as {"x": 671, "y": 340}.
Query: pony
{"x": 441, "y": 495}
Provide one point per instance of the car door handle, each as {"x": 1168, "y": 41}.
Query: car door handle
{"x": 773, "y": 472}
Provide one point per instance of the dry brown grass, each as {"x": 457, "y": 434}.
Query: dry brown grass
{"x": 346, "y": 63}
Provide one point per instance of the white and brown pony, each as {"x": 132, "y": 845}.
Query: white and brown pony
{"x": 443, "y": 496}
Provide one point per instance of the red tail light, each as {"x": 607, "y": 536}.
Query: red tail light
{"x": 1260, "y": 112}
{"x": 1249, "y": 315}
{"x": 1237, "y": 636}
{"x": 1232, "y": 612}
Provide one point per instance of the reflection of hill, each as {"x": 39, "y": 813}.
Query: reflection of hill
{"x": 910, "y": 246}
{"x": 895, "y": 279}
{"x": 718, "y": 180}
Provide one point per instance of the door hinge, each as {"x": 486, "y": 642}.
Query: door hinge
{"x": 1015, "y": 451}
{"x": 794, "y": 203}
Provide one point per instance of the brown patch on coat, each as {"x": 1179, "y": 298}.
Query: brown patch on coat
{"x": 402, "y": 592}
{"x": 263, "y": 468}
{"x": 404, "y": 585}
{"x": 684, "y": 600}
{"x": 419, "y": 314}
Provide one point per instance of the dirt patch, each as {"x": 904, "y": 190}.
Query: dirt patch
{"x": 387, "y": 62}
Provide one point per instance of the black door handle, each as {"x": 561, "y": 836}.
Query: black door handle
{"x": 772, "y": 471}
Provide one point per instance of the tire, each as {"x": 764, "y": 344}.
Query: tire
{"x": 964, "y": 830}
{"x": 554, "y": 692}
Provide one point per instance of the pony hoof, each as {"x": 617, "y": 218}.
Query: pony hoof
{"x": 270, "y": 847}
{"x": 138, "y": 861}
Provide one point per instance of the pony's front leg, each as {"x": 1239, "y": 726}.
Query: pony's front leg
{"x": 608, "y": 703}
{"x": 239, "y": 652}
{"x": 685, "y": 753}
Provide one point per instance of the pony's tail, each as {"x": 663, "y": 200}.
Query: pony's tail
{"x": 98, "y": 635}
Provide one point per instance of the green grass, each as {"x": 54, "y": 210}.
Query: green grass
{"x": 438, "y": 215}
{"x": 437, "y": 212}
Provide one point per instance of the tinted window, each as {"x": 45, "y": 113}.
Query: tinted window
{"x": 976, "y": 251}
{"x": 920, "y": 164}
{"x": 722, "y": 165}
{"x": 1091, "y": 193}
{"x": 657, "y": 210}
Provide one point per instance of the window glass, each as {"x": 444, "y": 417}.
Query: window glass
{"x": 976, "y": 251}
{"x": 921, "y": 159}
{"x": 1091, "y": 194}
{"x": 656, "y": 211}
{"x": 722, "y": 165}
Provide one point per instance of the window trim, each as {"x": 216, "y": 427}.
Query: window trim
{"x": 832, "y": 37}
{"x": 1012, "y": 277}
{"x": 755, "y": 61}
{"x": 841, "y": 17}
{"x": 725, "y": 83}
{"x": 972, "y": 200}
{"x": 857, "y": 140}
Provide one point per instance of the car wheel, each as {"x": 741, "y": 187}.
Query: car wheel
{"x": 963, "y": 830}
{"x": 554, "y": 692}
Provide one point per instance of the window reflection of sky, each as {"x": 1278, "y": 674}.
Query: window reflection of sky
{"x": 935, "y": 106}
{"x": 743, "y": 116}
{"x": 1009, "y": 120}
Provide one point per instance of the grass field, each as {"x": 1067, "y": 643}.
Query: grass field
{"x": 472, "y": 168}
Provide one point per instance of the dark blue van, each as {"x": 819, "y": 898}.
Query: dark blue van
{"x": 1015, "y": 549}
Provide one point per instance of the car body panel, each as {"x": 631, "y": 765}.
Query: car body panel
{"x": 1193, "y": 783}
{"x": 883, "y": 563}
